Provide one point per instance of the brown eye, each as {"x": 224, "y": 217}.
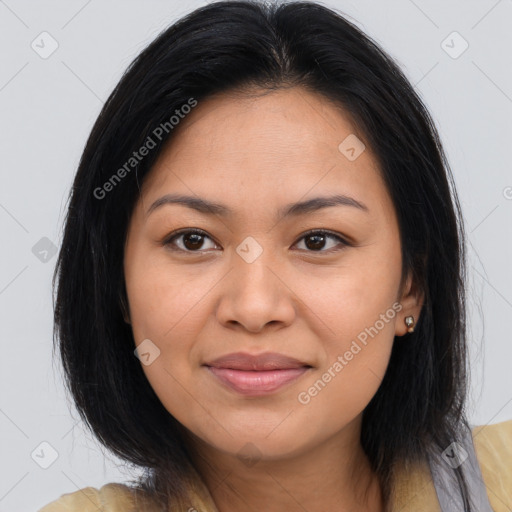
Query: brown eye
{"x": 315, "y": 241}
{"x": 192, "y": 240}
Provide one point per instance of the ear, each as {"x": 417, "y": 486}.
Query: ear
{"x": 412, "y": 300}
{"x": 124, "y": 308}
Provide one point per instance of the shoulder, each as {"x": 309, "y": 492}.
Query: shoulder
{"x": 493, "y": 447}
{"x": 112, "y": 497}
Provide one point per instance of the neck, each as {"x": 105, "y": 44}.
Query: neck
{"x": 335, "y": 475}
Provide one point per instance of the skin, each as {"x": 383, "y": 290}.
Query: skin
{"x": 256, "y": 154}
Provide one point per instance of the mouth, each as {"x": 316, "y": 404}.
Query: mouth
{"x": 257, "y": 375}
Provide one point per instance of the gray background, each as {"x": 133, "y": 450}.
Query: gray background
{"x": 47, "y": 109}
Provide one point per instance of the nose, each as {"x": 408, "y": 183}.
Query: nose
{"x": 255, "y": 294}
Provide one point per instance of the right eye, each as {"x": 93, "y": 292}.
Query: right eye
{"x": 191, "y": 240}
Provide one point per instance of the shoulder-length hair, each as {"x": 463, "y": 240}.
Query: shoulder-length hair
{"x": 236, "y": 46}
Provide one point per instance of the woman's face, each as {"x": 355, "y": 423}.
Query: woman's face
{"x": 252, "y": 283}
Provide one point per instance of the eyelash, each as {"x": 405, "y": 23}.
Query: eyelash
{"x": 168, "y": 241}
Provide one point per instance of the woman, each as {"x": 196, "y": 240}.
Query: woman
{"x": 261, "y": 284}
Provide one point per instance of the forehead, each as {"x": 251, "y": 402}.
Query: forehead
{"x": 294, "y": 122}
{"x": 270, "y": 147}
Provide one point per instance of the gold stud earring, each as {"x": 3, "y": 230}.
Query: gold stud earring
{"x": 409, "y": 321}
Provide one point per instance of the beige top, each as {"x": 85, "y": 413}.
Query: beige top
{"x": 414, "y": 489}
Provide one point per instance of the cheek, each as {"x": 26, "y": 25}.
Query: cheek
{"x": 353, "y": 371}
{"x": 148, "y": 300}
{"x": 356, "y": 312}
{"x": 165, "y": 308}
{"x": 163, "y": 299}
{"x": 354, "y": 296}
{"x": 160, "y": 314}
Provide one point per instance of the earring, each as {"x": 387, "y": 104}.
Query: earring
{"x": 409, "y": 321}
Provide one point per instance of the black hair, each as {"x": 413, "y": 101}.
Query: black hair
{"x": 230, "y": 46}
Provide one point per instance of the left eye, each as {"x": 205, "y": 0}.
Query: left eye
{"x": 319, "y": 239}
{"x": 193, "y": 239}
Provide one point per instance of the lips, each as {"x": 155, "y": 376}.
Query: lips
{"x": 256, "y": 375}
{"x": 266, "y": 361}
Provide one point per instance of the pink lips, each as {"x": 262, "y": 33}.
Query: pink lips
{"x": 257, "y": 375}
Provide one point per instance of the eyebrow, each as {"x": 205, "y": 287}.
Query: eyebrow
{"x": 294, "y": 209}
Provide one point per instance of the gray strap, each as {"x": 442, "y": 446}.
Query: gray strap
{"x": 459, "y": 453}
